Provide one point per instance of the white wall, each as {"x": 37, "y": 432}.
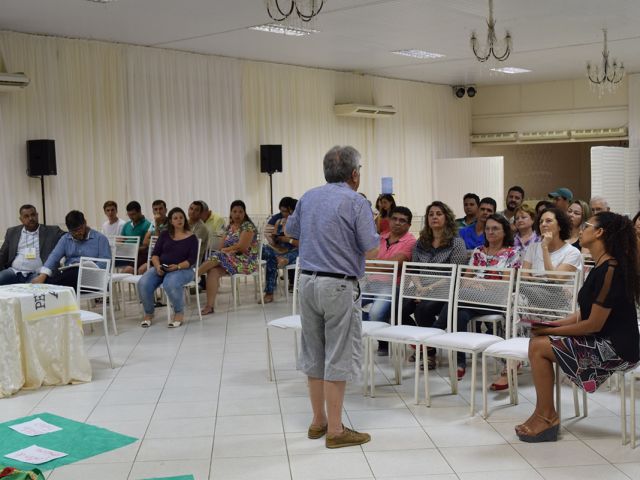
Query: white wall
{"x": 143, "y": 123}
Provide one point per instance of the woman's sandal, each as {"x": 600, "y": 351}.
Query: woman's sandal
{"x": 549, "y": 434}
{"x": 206, "y": 310}
{"x": 175, "y": 324}
{"x": 146, "y": 323}
{"x": 460, "y": 372}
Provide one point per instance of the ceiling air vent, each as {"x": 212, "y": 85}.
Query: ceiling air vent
{"x": 364, "y": 111}
{"x": 543, "y": 136}
{"x": 600, "y": 132}
{"x": 494, "y": 137}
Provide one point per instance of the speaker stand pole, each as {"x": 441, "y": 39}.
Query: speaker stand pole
{"x": 271, "y": 193}
{"x": 44, "y": 206}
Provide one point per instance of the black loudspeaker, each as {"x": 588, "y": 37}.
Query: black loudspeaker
{"x": 41, "y": 158}
{"x": 270, "y": 158}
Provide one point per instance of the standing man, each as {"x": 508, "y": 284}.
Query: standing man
{"x": 473, "y": 235}
{"x": 26, "y": 247}
{"x": 113, "y": 226}
{"x": 515, "y": 197}
{"x": 470, "y": 203}
{"x": 336, "y": 232}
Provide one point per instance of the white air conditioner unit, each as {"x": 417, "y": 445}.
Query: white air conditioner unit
{"x": 10, "y": 82}
{"x": 364, "y": 111}
{"x": 542, "y": 136}
{"x": 494, "y": 137}
{"x": 600, "y": 132}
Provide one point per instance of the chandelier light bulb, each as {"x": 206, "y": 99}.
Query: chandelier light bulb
{"x": 492, "y": 49}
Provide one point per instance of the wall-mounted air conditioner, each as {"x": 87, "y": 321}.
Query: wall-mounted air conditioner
{"x": 544, "y": 136}
{"x": 494, "y": 137}
{"x": 10, "y": 82}
{"x": 364, "y": 111}
{"x": 600, "y": 132}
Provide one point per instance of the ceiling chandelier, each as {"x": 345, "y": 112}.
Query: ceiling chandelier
{"x": 304, "y": 9}
{"x": 492, "y": 47}
{"x": 608, "y": 75}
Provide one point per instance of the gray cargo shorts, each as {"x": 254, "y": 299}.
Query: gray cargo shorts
{"x": 331, "y": 347}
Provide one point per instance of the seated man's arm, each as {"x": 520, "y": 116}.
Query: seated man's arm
{"x": 4, "y": 252}
{"x": 52, "y": 262}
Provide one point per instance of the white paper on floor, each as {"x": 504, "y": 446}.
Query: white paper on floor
{"x": 35, "y": 455}
{"x": 35, "y": 427}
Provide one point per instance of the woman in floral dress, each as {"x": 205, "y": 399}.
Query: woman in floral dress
{"x": 239, "y": 253}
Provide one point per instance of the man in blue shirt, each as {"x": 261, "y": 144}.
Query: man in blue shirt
{"x": 473, "y": 235}
{"x": 336, "y": 232}
{"x": 81, "y": 241}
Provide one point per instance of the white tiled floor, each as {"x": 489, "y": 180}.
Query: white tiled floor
{"x": 199, "y": 401}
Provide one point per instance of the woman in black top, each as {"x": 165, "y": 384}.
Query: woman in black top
{"x": 602, "y": 336}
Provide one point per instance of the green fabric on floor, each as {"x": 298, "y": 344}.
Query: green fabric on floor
{"x": 77, "y": 440}
{"x": 181, "y": 477}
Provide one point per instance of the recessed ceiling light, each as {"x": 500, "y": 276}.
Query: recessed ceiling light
{"x": 510, "y": 70}
{"x": 284, "y": 30}
{"x": 418, "y": 53}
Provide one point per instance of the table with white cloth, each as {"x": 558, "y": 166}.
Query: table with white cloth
{"x": 41, "y": 338}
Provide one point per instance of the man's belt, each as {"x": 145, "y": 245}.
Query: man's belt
{"x": 328, "y": 274}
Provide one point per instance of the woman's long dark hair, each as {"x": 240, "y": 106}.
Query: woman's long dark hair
{"x": 386, "y": 196}
{"x": 621, "y": 242}
{"x": 170, "y": 228}
{"x": 240, "y": 203}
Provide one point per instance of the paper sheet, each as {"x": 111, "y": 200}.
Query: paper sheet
{"x": 35, "y": 455}
{"x": 35, "y": 427}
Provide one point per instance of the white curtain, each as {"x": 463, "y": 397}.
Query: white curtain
{"x": 614, "y": 176}
{"x": 137, "y": 123}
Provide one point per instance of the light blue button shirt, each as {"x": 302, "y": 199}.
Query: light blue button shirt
{"x": 335, "y": 227}
{"x": 95, "y": 245}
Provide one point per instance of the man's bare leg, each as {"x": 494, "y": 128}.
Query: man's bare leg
{"x": 334, "y": 398}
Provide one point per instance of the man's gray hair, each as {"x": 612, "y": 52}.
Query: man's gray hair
{"x": 599, "y": 199}
{"x": 339, "y": 163}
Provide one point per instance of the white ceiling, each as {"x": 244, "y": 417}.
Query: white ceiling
{"x": 553, "y": 38}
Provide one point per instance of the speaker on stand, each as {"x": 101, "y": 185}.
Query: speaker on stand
{"x": 270, "y": 163}
{"x": 41, "y": 161}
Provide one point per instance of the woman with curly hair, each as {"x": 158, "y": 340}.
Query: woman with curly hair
{"x": 438, "y": 243}
{"x": 384, "y": 205}
{"x": 599, "y": 339}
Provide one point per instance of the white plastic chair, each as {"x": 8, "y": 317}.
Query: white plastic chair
{"x": 258, "y": 272}
{"x": 633, "y": 376}
{"x": 124, "y": 249}
{"x": 420, "y": 281}
{"x": 379, "y": 284}
{"x": 93, "y": 283}
{"x": 192, "y": 284}
{"x": 133, "y": 280}
{"x": 536, "y": 296}
{"x": 480, "y": 288}
{"x": 290, "y": 322}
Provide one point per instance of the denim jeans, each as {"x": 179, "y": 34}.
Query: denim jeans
{"x": 173, "y": 284}
{"x": 9, "y": 277}
{"x": 271, "y": 257}
{"x": 464, "y": 315}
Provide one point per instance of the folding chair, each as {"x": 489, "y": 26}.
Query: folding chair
{"x": 479, "y": 288}
{"x": 419, "y": 281}
{"x": 93, "y": 284}
{"x": 544, "y": 295}
{"x": 124, "y": 250}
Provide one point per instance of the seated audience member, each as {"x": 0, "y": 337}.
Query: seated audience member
{"x": 438, "y": 243}
{"x": 551, "y": 253}
{"x": 473, "y": 235}
{"x": 197, "y": 226}
{"x": 470, "y": 203}
{"x": 239, "y": 253}
{"x": 599, "y": 204}
{"x": 214, "y": 224}
{"x": 26, "y": 247}
{"x": 396, "y": 245}
{"x": 599, "y": 339}
{"x": 384, "y": 205}
{"x": 525, "y": 234}
{"x": 137, "y": 226}
{"x": 541, "y": 206}
{"x": 159, "y": 225}
{"x": 515, "y": 197}
{"x": 497, "y": 252}
{"x": 578, "y": 212}
{"x": 282, "y": 249}
{"x": 561, "y": 198}
{"x": 172, "y": 259}
{"x": 113, "y": 225}
{"x": 81, "y": 241}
